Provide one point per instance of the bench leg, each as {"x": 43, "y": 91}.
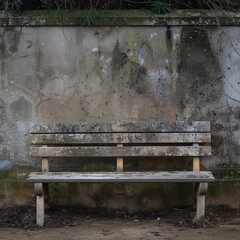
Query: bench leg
{"x": 201, "y": 191}
{"x": 40, "y": 211}
{"x": 39, "y": 191}
{"x": 200, "y": 207}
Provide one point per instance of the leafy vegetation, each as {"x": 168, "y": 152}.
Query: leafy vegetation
{"x": 10, "y": 5}
{"x": 92, "y": 6}
{"x": 157, "y": 6}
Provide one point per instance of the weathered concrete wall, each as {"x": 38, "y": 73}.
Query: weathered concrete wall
{"x": 71, "y": 74}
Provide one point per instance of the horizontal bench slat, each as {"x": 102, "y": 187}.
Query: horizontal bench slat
{"x": 118, "y": 138}
{"x": 197, "y": 126}
{"x": 144, "y": 151}
{"x": 183, "y": 176}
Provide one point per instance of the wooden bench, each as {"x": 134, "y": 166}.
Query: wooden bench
{"x": 121, "y": 140}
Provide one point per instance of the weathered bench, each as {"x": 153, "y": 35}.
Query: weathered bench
{"x": 121, "y": 140}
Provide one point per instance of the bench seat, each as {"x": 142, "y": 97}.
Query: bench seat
{"x": 176, "y": 176}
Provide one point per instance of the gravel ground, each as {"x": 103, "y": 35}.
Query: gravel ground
{"x": 72, "y": 223}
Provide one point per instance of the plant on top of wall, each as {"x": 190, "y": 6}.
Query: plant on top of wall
{"x": 157, "y": 6}
{"x": 92, "y": 6}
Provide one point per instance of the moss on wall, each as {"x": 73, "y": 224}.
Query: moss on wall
{"x": 120, "y": 18}
{"x": 133, "y": 195}
{"x": 229, "y": 173}
{"x": 14, "y": 190}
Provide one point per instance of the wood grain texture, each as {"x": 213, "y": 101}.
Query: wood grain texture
{"x": 120, "y": 161}
{"x": 178, "y": 176}
{"x": 119, "y": 138}
{"x": 200, "y": 208}
{"x": 196, "y": 164}
{"x": 40, "y": 211}
{"x": 45, "y": 165}
{"x": 130, "y": 139}
{"x": 139, "y": 151}
{"x": 83, "y": 127}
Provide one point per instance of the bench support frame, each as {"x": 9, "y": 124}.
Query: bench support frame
{"x": 201, "y": 190}
{"x": 120, "y": 140}
{"x": 38, "y": 189}
{"x": 41, "y": 191}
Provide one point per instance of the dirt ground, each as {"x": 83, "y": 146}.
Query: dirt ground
{"x": 64, "y": 224}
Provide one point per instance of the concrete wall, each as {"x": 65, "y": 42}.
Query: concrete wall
{"x": 71, "y": 74}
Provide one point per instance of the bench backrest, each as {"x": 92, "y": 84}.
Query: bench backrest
{"x": 134, "y": 139}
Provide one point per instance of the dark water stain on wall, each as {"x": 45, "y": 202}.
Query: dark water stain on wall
{"x": 131, "y": 76}
{"x": 203, "y": 98}
{"x": 1, "y": 44}
{"x": 137, "y": 79}
{"x": 13, "y": 38}
{"x": 21, "y": 109}
{"x": 2, "y": 64}
{"x": 119, "y": 58}
{"x": 199, "y": 73}
{"x": 169, "y": 38}
{"x": 2, "y": 110}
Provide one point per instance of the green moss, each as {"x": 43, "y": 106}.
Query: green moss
{"x": 117, "y": 18}
{"x": 227, "y": 174}
{"x": 169, "y": 194}
{"x": 9, "y": 174}
{"x": 148, "y": 191}
{"x": 15, "y": 174}
{"x": 2, "y": 197}
{"x": 55, "y": 190}
{"x": 103, "y": 194}
{"x": 12, "y": 192}
{"x": 132, "y": 39}
{"x": 4, "y": 174}
{"x": 64, "y": 17}
{"x": 218, "y": 189}
{"x": 84, "y": 13}
{"x": 14, "y": 189}
{"x": 131, "y": 189}
{"x": 21, "y": 191}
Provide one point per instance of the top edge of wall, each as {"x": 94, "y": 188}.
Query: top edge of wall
{"x": 119, "y": 18}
